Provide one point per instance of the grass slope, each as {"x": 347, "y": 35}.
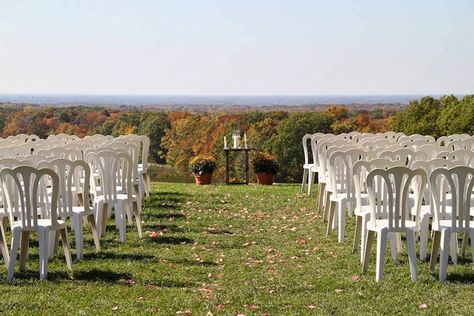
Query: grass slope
{"x": 228, "y": 250}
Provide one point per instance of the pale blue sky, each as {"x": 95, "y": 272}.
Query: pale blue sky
{"x": 237, "y": 46}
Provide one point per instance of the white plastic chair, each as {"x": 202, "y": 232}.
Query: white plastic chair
{"x": 115, "y": 171}
{"x": 461, "y": 182}
{"x": 342, "y": 186}
{"x": 362, "y": 208}
{"x": 397, "y": 183}
{"x": 26, "y": 181}
{"x": 74, "y": 198}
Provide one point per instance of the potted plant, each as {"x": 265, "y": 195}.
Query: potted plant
{"x": 265, "y": 166}
{"x": 203, "y": 166}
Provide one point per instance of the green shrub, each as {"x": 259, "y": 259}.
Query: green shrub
{"x": 202, "y": 164}
{"x": 264, "y": 162}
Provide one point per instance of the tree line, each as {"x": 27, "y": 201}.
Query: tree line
{"x": 177, "y": 136}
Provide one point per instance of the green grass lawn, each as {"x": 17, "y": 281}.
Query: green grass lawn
{"x": 228, "y": 250}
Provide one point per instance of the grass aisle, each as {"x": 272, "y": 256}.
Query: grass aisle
{"x": 228, "y": 250}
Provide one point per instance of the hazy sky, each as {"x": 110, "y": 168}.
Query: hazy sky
{"x": 237, "y": 46}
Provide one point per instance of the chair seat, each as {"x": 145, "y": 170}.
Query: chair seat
{"x": 81, "y": 210}
{"x": 383, "y": 223}
{"x": 446, "y": 223}
{"x": 308, "y": 166}
{"x": 46, "y": 223}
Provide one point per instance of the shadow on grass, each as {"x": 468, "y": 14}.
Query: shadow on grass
{"x": 188, "y": 262}
{"x": 171, "y": 240}
{"x": 163, "y": 227}
{"x": 116, "y": 256}
{"x": 150, "y": 215}
{"x": 93, "y": 275}
{"x": 467, "y": 278}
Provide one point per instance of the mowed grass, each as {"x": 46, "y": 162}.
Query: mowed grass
{"x": 228, "y": 250}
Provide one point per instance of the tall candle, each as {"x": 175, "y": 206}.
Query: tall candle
{"x": 225, "y": 142}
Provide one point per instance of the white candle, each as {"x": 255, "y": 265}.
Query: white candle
{"x": 225, "y": 142}
{"x": 245, "y": 140}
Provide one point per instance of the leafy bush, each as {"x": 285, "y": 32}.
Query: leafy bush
{"x": 264, "y": 162}
{"x": 203, "y": 164}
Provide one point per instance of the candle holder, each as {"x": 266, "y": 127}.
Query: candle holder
{"x": 236, "y": 139}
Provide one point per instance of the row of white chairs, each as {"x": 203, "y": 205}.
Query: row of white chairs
{"x": 387, "y": 140}
{"x": 344, "y": 162}
{"x": 41, "y": 191}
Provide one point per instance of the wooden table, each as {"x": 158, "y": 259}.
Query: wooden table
{"x": 247, "y": 164}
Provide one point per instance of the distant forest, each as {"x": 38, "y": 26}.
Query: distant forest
{"x": 177, "y": 136}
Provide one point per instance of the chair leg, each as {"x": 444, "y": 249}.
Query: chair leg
{"x": 424, "y": 229}
{"x": 357, "y": 232}
{"x": 103, "y": 222}
{"x": 443, "y": 260}
{"x": 24, "y": 243}
{"x": 434, "y": 250}
{"x": 67, "y": 249}
{"x": 310, "y": 182}
{"x": 332, "y": 211}
{"x": 4, "y": 247}
{"x": 399, "y": 242}
{"x": 129, "y": 212}
{"x": 43, "y": 253}
{"x": 120, "y": 220}
{"x": 465, "y": 240}
{"x": 366, "y": 251}
{"x": 381, "y": 248}
{"x": 95, "y": 234}
{"x": 453, "y": 248}
{"x": 305, "y": 176}
{"x": 79, "y": 235}
{"x": 411, "y": 253}
{"x": 341, "y": 218}
{"x": 321, "y": 188}
{"x": 363, "y": 233}
{"x": 471, "y": 233}
{"x": 393, "y": 247}
{"x": 327, "y": 205}
{"x": 14, "y": 253}
{"x": 138, "y": 218}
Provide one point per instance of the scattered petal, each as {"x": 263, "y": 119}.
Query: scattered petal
{"x": 311, "y": 306}
{"x": 423, "y": 306}
{"x": 355, "y": 278}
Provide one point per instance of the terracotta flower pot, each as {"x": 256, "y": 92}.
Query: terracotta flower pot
{"x": 202, "y": 179}
{"x": 265, "y": 178}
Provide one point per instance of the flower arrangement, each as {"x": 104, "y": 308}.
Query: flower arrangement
{"x": 264, "y": 163}
{"x": 203, "y": 164}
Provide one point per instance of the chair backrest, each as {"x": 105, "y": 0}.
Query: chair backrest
{"x": 70, "y": 173}
{"x": 397, "y": 182}
{"x": 461, "y": 154}
{"x": 403, "y": 154}
{"x": 406, "y": 140}
{"x": 447, "y": 140}
{"x": 115, "y": 169}
{"x": 145, "y": 150}
{"x": 340, "y": 170}
{"x": 460, "y": 181}
{"x": 323, "y": 147}
{"x": 305, "y": 139}
{"x": 360, "y": 170}
{"x": 430, "y": 149}
{"x": 315, "y": 139}
{"x": 26, "y": 182}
